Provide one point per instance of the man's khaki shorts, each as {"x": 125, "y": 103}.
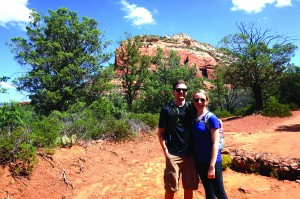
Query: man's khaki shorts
{"x": 183, "y": 167}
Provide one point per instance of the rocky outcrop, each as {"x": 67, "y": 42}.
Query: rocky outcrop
{"x": 266, "y": 164}
{"x": 202, "y": 55}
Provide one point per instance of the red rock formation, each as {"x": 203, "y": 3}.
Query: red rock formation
{"x": 192, "y": 52}
{"x": 24, "y": 103}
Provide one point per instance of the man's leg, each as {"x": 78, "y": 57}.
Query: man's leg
{"x": 188, "y": 194}
{"x": 169, "y": 194}
{"x": 190, "y": 179}
{"x": 171, "y": 175}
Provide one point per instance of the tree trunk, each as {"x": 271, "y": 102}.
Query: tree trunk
{"x": 257, "y": 91}
{"x": 129, "y": 101}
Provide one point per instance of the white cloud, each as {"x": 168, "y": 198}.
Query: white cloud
{"x": 137, "y": 15}
{"x": 256, "y": 6}
{"x": 6, "y": 85}
{"x": 14, "y": 12}
{"x": 283, "y": 3}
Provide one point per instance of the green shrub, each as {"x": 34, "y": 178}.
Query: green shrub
{"x": 16, "y": 149}
{"x": 275, "y": 109}
{"x": 122, "y": 130}
{"x": 85, "y": 128}
{"x": 222, "y": 114}
{"x": 25, "y": 160}
{"x": 226, "y": 161}
{"x": 248, "y": 110}
{"x": 137, "y": 126}
{"x": 6, "y": 147}
{"x": 11, "y": 116}
{"x": 102, "y": 108}
{"x": 45, "y": 132}
{"x": 294, "y": 107}
{"x": 81, "y": 123}
{"x": 149, "y": 119}
{"x": 119, "y": 103}
{"x": 100, "y": 130}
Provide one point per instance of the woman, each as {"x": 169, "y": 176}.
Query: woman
{"x": 208, "y": 155}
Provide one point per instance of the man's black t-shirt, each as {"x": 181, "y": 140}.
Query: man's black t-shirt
{"x": 177, "y": 124}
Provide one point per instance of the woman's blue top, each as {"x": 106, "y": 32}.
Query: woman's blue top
{"x": 202, "y": 139}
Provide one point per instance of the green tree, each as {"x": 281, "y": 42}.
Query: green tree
{"x": 255, "y": 58}
{"x": 101, "y": 84}
{"x": 289, "y": 86}
{"x": 12, "y": 115}
{"x": 224, "y": 96}
{"x": 132, "y": 67}
{"x": 158, "y": 87}
{"x": 219, "y": 93}
{"x": 60, "y": 56}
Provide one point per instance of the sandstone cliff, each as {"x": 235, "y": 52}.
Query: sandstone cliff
{"x": 202, "y": 55}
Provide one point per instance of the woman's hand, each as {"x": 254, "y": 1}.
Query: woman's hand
{"x": 211, "y": 172}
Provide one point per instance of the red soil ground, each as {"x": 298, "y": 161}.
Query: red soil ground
{"x": 134, "y": 169}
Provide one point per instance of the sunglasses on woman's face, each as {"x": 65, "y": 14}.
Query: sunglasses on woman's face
{"x": 181, "y": 89}
{"x": 199, "y": 99}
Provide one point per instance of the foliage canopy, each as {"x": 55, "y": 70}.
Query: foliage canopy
{"x": 132, "y": 67}
{"x": 255, "y": 58}
{"x": 158, "y": 86}
{"x": 60, "y": 56}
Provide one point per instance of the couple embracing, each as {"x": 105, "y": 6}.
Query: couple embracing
{"x": 191, "y": 148}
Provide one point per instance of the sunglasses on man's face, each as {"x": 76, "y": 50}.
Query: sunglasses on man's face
{"x": 181, "y": 89}
{"x": 199, "y": 99}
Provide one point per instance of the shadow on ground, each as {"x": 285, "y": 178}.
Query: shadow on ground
{"x": 290, "y": 128}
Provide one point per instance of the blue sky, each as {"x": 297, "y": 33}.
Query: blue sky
{"x": 205, "y": 21}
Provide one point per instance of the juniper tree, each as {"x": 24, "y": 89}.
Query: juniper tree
{"x": 60, "y": 55}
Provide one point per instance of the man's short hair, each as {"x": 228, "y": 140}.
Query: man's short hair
{"x": 178, "y": 82}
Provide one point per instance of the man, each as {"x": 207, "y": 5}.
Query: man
{"x": 174, "y": 137}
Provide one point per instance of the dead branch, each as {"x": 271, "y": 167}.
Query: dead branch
{"x": 64, "y": 177}
{"x": 46, "y": 157}
{"x": 15, "y": 176}
{"x": 19, "y": 180}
